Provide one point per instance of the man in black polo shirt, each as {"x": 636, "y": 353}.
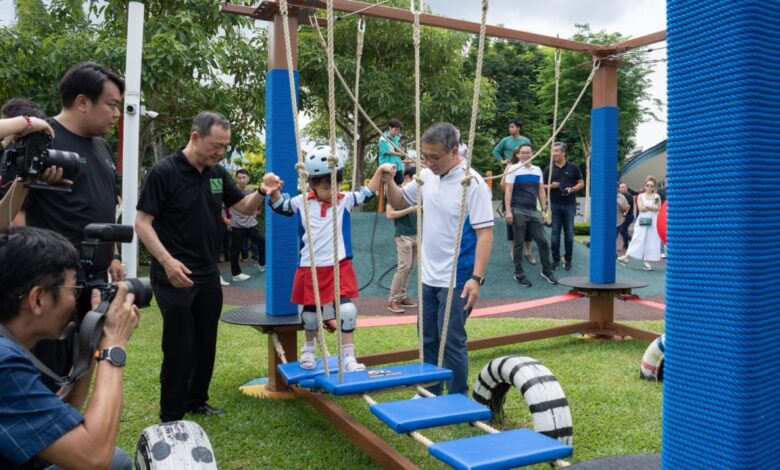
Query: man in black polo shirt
{"x": 566, "y": 181}
{"x": 179, "y": 212}
{"x": 90, "y": 95}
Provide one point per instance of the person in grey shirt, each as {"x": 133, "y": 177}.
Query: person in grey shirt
{"x": 244, "y": 226}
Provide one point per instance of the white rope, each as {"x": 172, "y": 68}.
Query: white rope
{"x": 278, "y": 347}
{"x": 418, "y": 179}
{"x": 557, "y": 58}
{"x": 355, "y": 116}
{"x": 466, "y": 182}
{"x": 302, "y": 183}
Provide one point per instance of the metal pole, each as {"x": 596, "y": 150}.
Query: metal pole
{"x": 132, "y": 126}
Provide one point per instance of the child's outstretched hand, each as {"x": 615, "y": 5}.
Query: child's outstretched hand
{"x": 271, "y": 183}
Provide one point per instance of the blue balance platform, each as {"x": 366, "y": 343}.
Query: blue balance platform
{"x": 378, "y": 379}
{"x": 410, "y": 415}
{"x": 507, "y": 449}
{"x": 292, "y": 372}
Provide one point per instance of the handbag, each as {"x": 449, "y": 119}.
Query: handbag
{"x": 645, "y": 221}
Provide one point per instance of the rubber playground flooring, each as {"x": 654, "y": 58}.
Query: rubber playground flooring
{"x": 375, "y": 258}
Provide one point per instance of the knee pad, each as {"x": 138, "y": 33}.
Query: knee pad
{"x": 309, "y": 320}
{"x": 348, "y": 317}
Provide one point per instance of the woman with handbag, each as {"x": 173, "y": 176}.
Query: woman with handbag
{"x": 646, "y": 243}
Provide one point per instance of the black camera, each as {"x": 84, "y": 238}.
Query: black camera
{"x": 32, "y": 156}
{"x": 97, "y": 252}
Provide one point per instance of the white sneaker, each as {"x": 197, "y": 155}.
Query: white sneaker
{"x": 352, "y": 365}
{"x": 240, "y": 277}
{"x": 223, "y": 282}
{"x": 646, "y": 266}
{"x": 663, "y": 255}
{"x": 261, "y": 268}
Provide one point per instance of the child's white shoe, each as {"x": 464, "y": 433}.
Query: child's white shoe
{"x": 352, "y": 365}
{"x": 308, "y": 358}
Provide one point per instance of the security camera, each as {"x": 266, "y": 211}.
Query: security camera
{"x": 130, "y": 109}
{"x": 148, "y": 113}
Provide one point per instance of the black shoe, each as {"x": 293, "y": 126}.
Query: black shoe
{"x": 554, "y": 266}
{"x": 567, "y": 265}
{"x": 206, "y": 409}
{"x": 522, "y": 280}
{"x": 550, "y": 278}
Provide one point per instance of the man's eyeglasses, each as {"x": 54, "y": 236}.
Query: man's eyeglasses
{"x": 77, "y": 289}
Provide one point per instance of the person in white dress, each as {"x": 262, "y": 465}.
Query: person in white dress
{"x": 646, "y": 243}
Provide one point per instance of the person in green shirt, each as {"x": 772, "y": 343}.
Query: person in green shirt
{"x": 504, "y": 150}
{"x": 388, "y": 143}
{"x": 405, "y": 221}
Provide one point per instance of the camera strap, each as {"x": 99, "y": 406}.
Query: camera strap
{"x": 60, "y": 381}
{"x": 87, "y": 339}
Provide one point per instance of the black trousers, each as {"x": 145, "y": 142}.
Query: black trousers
{"x": 237, "y": 237}
{"x": 189, "y": 345}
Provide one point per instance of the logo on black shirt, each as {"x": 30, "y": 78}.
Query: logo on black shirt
{"x": 216, "y": 185}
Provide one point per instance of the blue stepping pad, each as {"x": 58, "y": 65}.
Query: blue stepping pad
{"x": 378, "y": 379}
{"x": 294, "y": 373}
{"x": 507, "y": 449}
{"x": 410, "y": 415}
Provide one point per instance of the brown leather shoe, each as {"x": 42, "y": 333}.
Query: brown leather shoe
{"x": 407, "y": 303}
{"x": 395, "y": 307}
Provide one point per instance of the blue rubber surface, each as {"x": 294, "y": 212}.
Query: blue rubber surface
{"x": 294, "y": 373}
{"x": 281, "y": 240}
{"x": 722, "y": 362}
{"x": 410, "y": 415}
{"x": 506, "y": 449}
{"x": 378, "y": 379}
{"x": 603, "y": 194}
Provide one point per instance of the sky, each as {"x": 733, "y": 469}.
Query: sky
{"x": 557, "y": 18}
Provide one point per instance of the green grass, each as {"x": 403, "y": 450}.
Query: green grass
{"x": 614, "y": 412}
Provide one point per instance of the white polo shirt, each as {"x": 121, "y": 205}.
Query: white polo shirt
{"x": 441, "y": 207}
{"x": 321, "y": 224}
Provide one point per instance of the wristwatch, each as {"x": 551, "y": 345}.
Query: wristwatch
{"x": 116, "y": 355}
{"x": 480, "y": 280}
{"x": 261, "y": 192}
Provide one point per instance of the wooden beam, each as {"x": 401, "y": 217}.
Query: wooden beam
{"x": 653, "y": 38}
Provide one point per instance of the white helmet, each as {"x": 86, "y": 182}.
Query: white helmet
{"x": 316, "y": 161}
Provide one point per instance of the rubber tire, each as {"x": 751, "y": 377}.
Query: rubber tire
{"x": 652, "y": 366}
{"x": 175, "y": 445}
{"x": 541, "y": 391}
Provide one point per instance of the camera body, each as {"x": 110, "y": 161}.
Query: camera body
{"x": 32, "y": 155}
{"x": 97, "y": 252}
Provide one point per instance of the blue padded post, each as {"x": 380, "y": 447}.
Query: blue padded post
{"x": 722, "y": 363}
{"x": 603, "y": 194}
{"x": 281, "y": 233}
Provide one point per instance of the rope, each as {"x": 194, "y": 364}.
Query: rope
{"x": 355, "y": 117}
{"x": 417, "y": 169}
{"x": 302, "y": 183}
{"x": 467, "y": 177}
{"x": 334, "y": 187}
{"x": 511, "y": 168}
{"x": 278, "y": 347}
{"x": 363, "y": 112}
{"x": 557, "y": 57}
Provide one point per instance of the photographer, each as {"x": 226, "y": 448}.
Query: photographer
{"x": 39, "y": 292}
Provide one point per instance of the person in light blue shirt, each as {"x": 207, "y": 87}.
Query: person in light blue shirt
{"x": 388, "y": 153}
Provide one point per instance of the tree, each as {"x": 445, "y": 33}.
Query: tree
{"x": 387, "y": 81}
{"x": 194, "y": 58}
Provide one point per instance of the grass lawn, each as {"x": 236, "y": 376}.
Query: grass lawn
{"x": 614, "y": 412}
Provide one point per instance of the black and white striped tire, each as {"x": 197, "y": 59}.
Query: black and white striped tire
{"x": 175, "y": 445}
{"x": 543, "y": 394}
{"x": 652, "y": 366}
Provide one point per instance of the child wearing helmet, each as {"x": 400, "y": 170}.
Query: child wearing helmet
{"x": 321, "y": 213}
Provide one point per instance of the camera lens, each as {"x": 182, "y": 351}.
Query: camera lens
{"x": 68, "y": 161}
{"x": 142, "y": 289}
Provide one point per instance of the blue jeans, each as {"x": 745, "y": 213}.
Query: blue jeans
{"x": 121, "y": 461}
{"x": 562, "y": 217}
{"x": 455, "y": 352}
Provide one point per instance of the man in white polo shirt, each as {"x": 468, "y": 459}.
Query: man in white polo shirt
{"x": 441, "y": 196}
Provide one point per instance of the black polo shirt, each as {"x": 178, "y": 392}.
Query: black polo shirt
{"x": 568, "y": 175}
{"x": 187, "y": 209}
{"x": 93, "y": 195}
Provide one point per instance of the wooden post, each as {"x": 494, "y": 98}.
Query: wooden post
{"x": 380, "y": 208}
{"x": 489, "y": 182}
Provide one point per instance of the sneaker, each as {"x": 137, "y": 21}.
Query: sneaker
{"x": 240, "y": 277}
{"x": 646, "y": 266}
{"x": 522, "y": 280}
{"x": 550, "y": 278}
{"x": 261, "y": 267}
{"x": 663, "y": 255}
{"x": 567, "y": 265}
{"x": 352, "y": 365}
{"x": 554, "y": 266}
{"x": 308, "y": 359}
{"x": 223, "y": 282}
{"x": 623, "y": 260}
{"x": 407, "y": 303}
{"x": 206, "y": 409}
{"x": 530, "y": 257}
{"x": 395, "y": 307}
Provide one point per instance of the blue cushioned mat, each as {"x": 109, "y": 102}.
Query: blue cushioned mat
{"x": 507, "y": 449}
{"x": 410, "y": 415}
{"x": 294, "y": 373}
{"x": 386, "y": 377}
